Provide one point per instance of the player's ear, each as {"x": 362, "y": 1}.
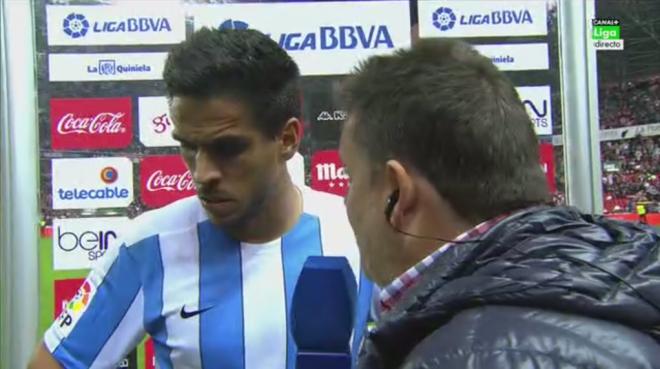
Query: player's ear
{"x": 290, "y": 137}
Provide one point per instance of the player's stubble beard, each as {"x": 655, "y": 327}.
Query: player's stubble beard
{"x": 264, "y": 193}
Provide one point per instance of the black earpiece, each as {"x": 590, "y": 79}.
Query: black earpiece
{"x": 391, "y": 201}
{"x": 389, "y": 208}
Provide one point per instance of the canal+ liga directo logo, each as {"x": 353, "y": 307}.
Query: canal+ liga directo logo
{"x": 606, "y": 34}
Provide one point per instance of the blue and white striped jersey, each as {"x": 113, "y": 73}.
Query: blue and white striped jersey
{"x": 208, "y": 301}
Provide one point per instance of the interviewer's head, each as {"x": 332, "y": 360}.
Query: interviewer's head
{"x": 440, "y": 124}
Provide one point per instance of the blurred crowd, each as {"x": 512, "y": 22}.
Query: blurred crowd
{"x": 629, "y": 104}
{"x": 630, "y": 167}
{"x": 631, "y": 174}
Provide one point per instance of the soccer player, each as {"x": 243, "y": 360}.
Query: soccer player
{"x": 210, "y": 278}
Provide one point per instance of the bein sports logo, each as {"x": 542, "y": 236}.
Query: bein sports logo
{"x": 327, "y": 37}
{"x": 109, "y": 67}
{"x": 94, "y": 243}
{"x": 79, "y": 243}
{"x": 445, "y": 19}
{"x": 75, "y": 25}
{"x": 538, "y": 114}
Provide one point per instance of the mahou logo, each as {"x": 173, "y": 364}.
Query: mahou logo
{"x": 328, "y": 173}
{"x": 165, "y": 179}
{"x": 101, "y": 123}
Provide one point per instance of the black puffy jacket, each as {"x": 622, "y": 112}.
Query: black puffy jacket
{"x": 546, "y": 288}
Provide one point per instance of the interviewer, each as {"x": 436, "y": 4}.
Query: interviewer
{"x": 449, "y": 206}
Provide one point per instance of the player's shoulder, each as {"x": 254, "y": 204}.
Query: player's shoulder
{"x": 337, "y": 237}
{"x": 179, "y": 216}
{"x": 328, "y": 208}
{"x": 322, "y": 203}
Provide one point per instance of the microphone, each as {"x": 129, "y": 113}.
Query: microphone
{"x": 323, "y": 313}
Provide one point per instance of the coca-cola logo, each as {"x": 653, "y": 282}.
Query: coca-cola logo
{"x": 102, "y": 123}
{"x": 80, "y": 124}
{"x": 160, "y": 181}
{"x": 328, "y": 173}
{"x": 165, "y": 179}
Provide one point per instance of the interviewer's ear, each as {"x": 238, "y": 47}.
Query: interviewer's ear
{"x": 399, "y": 179}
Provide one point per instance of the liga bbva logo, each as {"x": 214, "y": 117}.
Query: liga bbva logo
{"x": 453, "y": 18}
{"x": 66, "y": 292}
{"x": 137, "y": 24}
{"x": 72, "y": 306}
{"x": 325, "y": 38}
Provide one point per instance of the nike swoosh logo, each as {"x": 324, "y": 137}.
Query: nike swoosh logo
{"x": 189, "y": 314}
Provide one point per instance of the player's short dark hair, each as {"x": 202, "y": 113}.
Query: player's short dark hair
{"x": 447, "y": 111}
{"x": 243, "y": 64}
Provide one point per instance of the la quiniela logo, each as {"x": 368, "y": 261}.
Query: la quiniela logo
{"x": 108, "y": 67}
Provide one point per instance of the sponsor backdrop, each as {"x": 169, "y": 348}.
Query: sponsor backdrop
{"x": 521, "y": 38}
{"x": 107, "y": 154}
